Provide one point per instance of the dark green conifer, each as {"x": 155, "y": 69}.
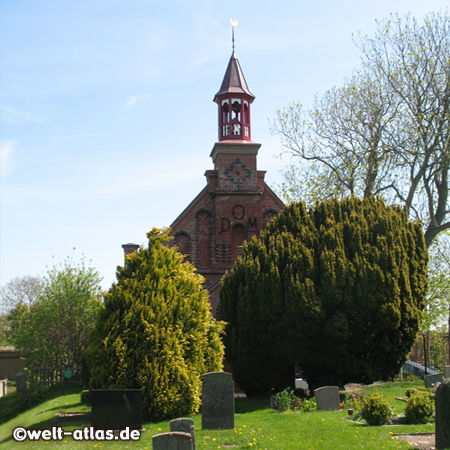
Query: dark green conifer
{"x": 156, "y": 332}
{"x": 337, "y": 291}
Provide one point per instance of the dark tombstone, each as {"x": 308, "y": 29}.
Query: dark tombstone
{"x": 443, "y": 416}
{"x": 21, "y": 383}
{"x": 183, "y": 425}
{"x": 172, "y": 441}
{"x": 327, "y": 398}
{"x": 217, "y": 401}
{"x": 116, "y": 409}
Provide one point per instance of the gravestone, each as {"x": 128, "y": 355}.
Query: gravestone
{"x": 21, "y": 383}
{"x": 327, "y": 398}
{"x": 443, "y": 416}
{"x": 431, "y": 380}
{"x": 3, "y": 387}
{"x": 172, "y": 441}
{"x": 116, "y": 409}
{"x": 217, "y": 401}
{"x": 446, "y": 371}
{"x": 183, "y": 425}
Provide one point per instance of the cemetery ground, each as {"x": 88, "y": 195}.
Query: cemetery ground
{"x": 257, "y": 426}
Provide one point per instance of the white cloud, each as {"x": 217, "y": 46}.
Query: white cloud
{"x": 6, "y": 151}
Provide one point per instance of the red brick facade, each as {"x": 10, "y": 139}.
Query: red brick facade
{"x": 236, "y": 203}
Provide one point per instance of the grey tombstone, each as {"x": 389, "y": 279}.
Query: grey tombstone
{"x": 21, "y": 383}
{"x": 172, "y": 441}
{"x": 443, "y": 416}
{"x": 183, "y": 425}
{"x": 327, "y": 398}
{"x": 446, "y": 371}
{"x": 431, "y": 380}
{"x": 217, "y": 401}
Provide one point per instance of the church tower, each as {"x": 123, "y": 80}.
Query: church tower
{"x": 236, "y": 203}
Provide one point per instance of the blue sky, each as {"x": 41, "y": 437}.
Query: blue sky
{"x": 106, "y": 113}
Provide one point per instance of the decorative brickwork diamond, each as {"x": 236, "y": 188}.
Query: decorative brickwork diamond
{"x": 238, "y": 173}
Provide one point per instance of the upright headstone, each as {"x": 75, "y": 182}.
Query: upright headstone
{"x": 327, "y": 398}
{"x": 446, "y": 371}
{"x": 21, "y": 383}
{"x": 116, "y": 409}
{"x": 217, "y": 401}
{"x": 443, "y": 416}
{"x": 432, "y": 380}
{"x": 3, "y": 387}
{"x": 183, "y": 425}
{"x": 172, "y": 441}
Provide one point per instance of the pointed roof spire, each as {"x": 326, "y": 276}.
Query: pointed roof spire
{"x": 234, "y": 80}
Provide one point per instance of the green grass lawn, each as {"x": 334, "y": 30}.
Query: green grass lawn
{"x": 256, "y": 427}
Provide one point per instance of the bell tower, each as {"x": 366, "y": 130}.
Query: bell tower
{"x": 234, "y": 100}
{"x": 236, "y": 204}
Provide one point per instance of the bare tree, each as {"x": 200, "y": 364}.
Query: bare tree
{"x": 24, "y": 290}
{"x": 386, "y": 131}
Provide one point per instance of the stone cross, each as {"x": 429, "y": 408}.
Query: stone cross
{"x": 217, "y": 401}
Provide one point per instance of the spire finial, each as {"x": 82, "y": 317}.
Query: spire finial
{"x": 233, "y": 24}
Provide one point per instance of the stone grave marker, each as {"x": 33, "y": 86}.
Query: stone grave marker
{"x": 3, "y": 387}
{"x": 446, "y": 371}
{"x": 217, "y": 401}
{"x": 172, "y": 441}
{"x": 21, "y": 383}
{"x": 116, "y": 409}
{"x": 433, "y": 379}
{"x": 443, "y": 416}
{"x": 184, "y": 425}
{"x": 327, "y": 398}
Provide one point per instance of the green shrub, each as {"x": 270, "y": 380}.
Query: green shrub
{"x": 413, "y": 390}
{"x": 308, "y": 405}
{"x": 284, "y": 400}
{"x": 156, "y": 332}
{"x": 420, "y": 407}
{"x": 287, "y": 401}
{"x": 321, "y": 286}
{"x": 376, "y": 410}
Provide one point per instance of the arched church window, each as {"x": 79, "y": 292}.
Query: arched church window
{"x": 225, "y": 112}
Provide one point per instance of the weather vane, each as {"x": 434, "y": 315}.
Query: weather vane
{"x": 233, "y": 24}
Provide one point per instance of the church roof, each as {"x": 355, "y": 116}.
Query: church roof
{"x": 234, "y": 80}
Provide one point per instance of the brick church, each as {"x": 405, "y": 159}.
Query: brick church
{"x": 236, "y": 203}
